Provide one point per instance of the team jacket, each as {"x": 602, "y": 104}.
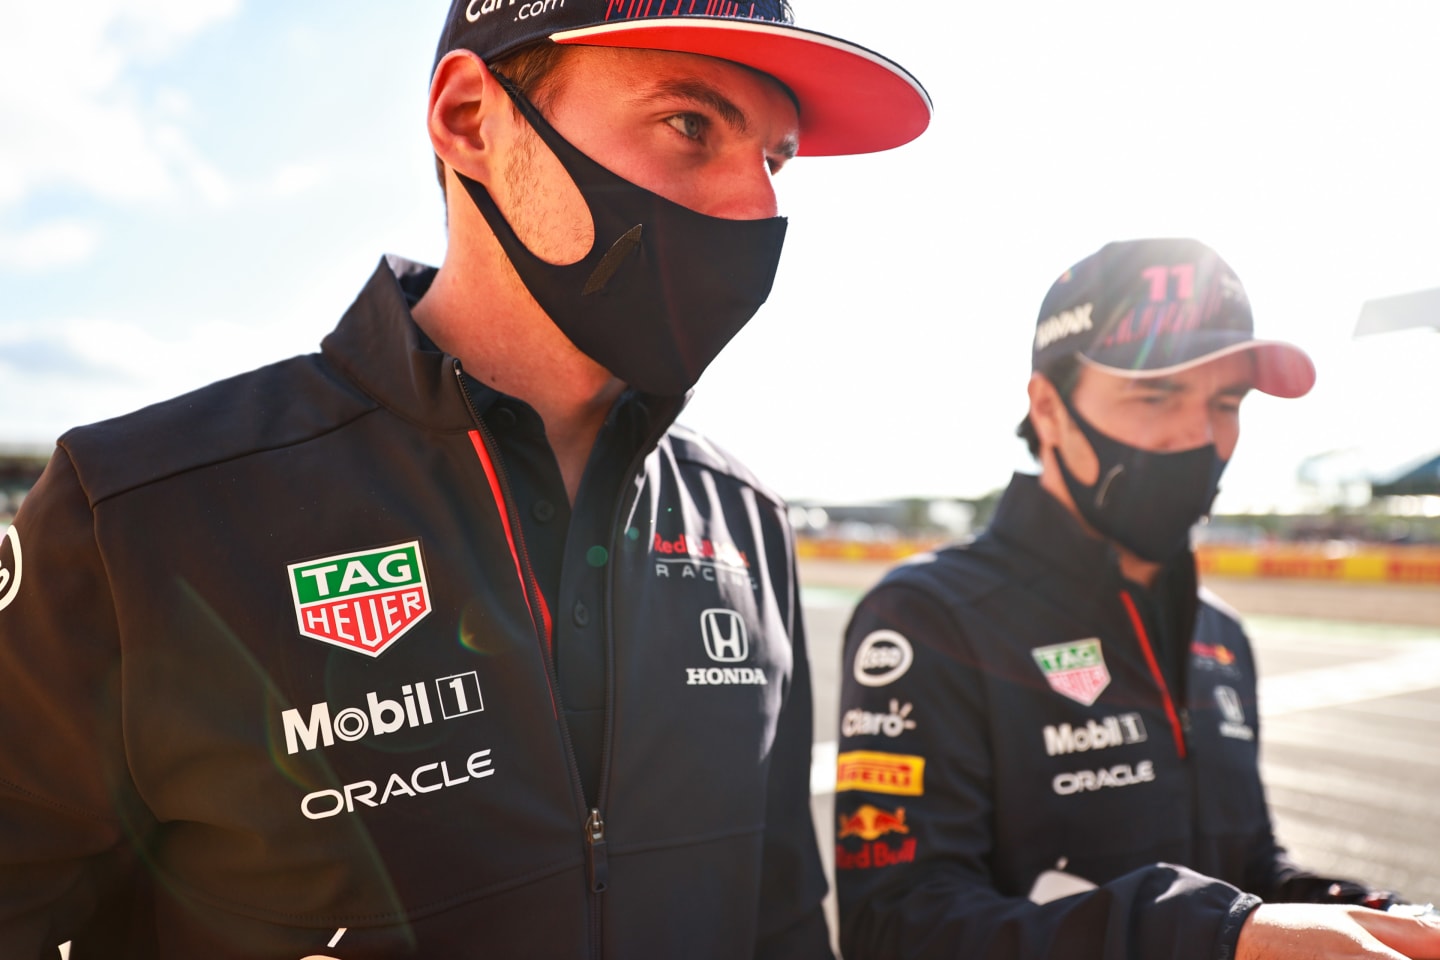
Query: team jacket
{"x": 1012, "y": 728}
{"x": 276, "y": 685}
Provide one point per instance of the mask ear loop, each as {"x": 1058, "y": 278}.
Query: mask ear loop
{"x": 627, "y": 243}
{"x": 1103, "y": 484}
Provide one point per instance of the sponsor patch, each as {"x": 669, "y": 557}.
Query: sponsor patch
{"x": 1064, "y": 324}
{"x": 894, "y": 773}
{"x": 725, "y": 638}
{"x": 454, "y": 696}
{"x": 1233, "y": 725}
{"x": 875, "y": 854}
{"x": 882, "y": 658}
{"x": 1217, "y": 653}
{"x": 1113, "y": 731}
{"x": 1076, "y": 669}
{"x": 426, "y": 778}
{"x": 701, "y": 559}
{"x": 861, "y": 723}
{"x": 10, "y": 568}
{"x": 362, "y": 601}
{"x": 726, "y": 641}
{"x": 1120, "y": 775}
{"x": 871, "y": 823}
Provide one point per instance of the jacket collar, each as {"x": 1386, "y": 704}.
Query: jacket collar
{"x": 378, "y": 345}
{"x": 1028, "y": 518}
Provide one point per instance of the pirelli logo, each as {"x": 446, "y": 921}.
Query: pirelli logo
{"x": 896, "y": 773}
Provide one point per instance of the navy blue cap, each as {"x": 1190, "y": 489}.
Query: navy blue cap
{"x": 1147, "y": 308}
{"x": 851, "y": 99}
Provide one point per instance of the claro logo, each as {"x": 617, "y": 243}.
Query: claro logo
{"x": 454, "y": 696}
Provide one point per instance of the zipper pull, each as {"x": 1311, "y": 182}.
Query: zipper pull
{"x": 596, "y": 861}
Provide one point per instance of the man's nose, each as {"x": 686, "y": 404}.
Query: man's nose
{"x": 744, "y": 190}
{"x": 1196, "y": 429}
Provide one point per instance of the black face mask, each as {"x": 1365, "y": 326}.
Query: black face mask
{"x": 662, "y": 290}
{"x": 1145, "y": 501}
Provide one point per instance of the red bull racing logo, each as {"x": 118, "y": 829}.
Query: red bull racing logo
{"x": 1217, "y": 652}
{"x": 870, "y": 823}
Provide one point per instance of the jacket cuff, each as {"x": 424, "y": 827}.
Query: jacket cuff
{"x": 1235, "y": 918}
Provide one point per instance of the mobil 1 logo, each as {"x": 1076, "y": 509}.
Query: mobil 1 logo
{"x": 362, "y": 601}
{"x": 380, "y": 712}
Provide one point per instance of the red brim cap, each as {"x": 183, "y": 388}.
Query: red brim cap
{"x": 852, "y": 100}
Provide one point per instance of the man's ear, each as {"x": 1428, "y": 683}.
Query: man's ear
{"x": 465, "y": 102}
{"x": 1047, "y": 410}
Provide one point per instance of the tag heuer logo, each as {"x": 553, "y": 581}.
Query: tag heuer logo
{"x": 361, "y": 601}
{"x": 1076, "y": 669}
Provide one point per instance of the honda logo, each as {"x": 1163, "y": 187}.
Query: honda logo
{"x": 724, "y": 633}
{"x": 1229, "y": 702}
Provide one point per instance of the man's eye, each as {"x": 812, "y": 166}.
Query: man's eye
{"x": 690, "y": 125}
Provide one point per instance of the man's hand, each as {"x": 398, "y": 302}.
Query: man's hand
{"x": 1282, "y": 931}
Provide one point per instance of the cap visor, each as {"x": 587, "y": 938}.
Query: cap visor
{"x": 852, "y": 100}
{"x": 1281, "y": 369}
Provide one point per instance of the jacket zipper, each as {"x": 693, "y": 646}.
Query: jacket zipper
{"x": 593, "y": 829}
{"x": 598, "y": 858}
{"x": 1144, "y": 637}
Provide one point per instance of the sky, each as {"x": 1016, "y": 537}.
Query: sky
{"x": 191, "y": 188}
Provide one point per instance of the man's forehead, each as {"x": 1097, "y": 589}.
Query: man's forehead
{"x": 729, "y": 89}
{"x": 1232, "y": 373}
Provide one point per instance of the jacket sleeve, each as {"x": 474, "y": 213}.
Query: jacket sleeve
{"x": 916, "y": 803}
{"x": 792, "y": 887}
{"x": 64, "y": 849}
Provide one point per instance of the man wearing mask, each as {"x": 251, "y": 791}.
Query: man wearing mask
{"x": 1074, "y": 774}
{"x": 444, "y": 642}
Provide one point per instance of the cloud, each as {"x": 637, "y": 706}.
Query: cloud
{"x": 56, "y": 244}
{"x": 54, "y": 357}
{"x": 71, "y": 118}
{"x": 295, "y": 179}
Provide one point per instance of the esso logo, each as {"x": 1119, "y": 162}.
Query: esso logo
{"x": 882, "y": 658}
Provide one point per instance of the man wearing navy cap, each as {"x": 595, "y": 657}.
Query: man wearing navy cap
{"x": 445, "y": 641}
{"x": 1076, "y": 775}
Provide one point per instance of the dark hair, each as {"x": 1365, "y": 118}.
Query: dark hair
{"x": 533, "y": 68}
{"x": 1064, "y": 373}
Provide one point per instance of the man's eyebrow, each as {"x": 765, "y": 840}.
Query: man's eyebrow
{"x": 706, "y": 95}
{"x": 1158, "y": 384}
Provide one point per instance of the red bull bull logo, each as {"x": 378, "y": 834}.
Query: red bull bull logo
{"x": 872, "y": 823}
